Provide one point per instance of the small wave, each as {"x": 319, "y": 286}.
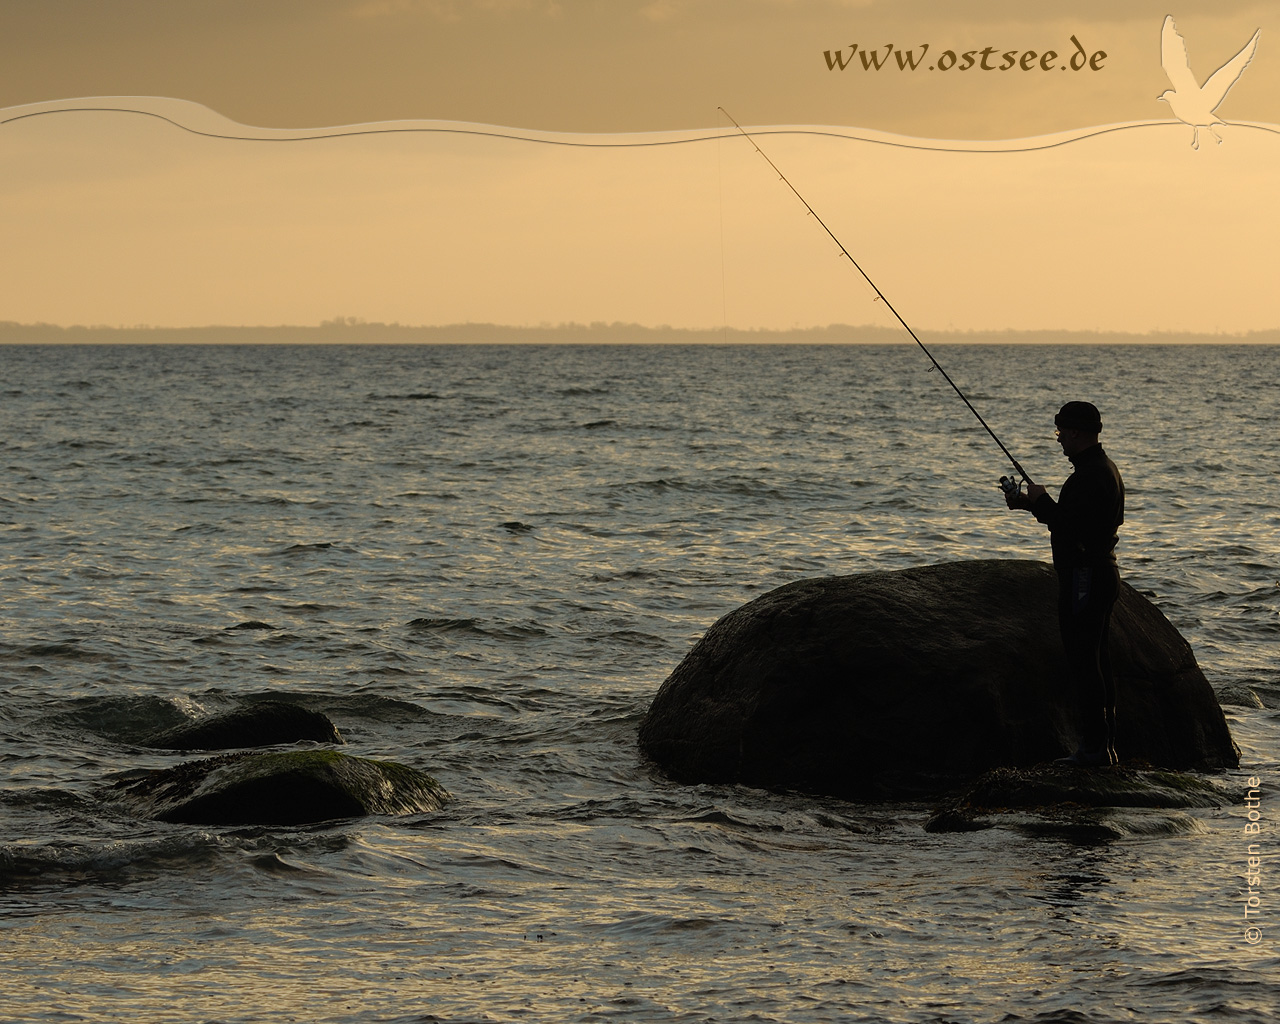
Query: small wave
{"x": 274, "y": 864}
{"x": 281, "y": 640}
{"x": 445, "y": 625}
{"x": 1192, "y": 977}
{"x": 632, "y": 638}
{"x": 660, "y": 485}
{"x": 63, "y": 650}
{"x": 227, "y": 635}
{"x": 40, "y": 799}
{"x": 304, "y": 549}
{"x": 95, "y": 572}
{"x": 200, "y": 528}
{"x": 1061, "y": 1016}
{"x": 845, "y": 824}
{"x": 124, "y": 719}
{"x": 77, "y": 444}
{"x": 626, "y": 574}
{"x": 234, "y": 460}
{"x": 637, "y": 924}
{"x": 472, "y": 627}
{"x": 106, "y": 861}
{"x": 1102, "y": 825}
{"x": 737, "y": 485}
{"x": 623, "y": 808}
{"x": 718, "y": 817}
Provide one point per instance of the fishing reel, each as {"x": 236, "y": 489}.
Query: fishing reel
{"x": 1010, "y": 486}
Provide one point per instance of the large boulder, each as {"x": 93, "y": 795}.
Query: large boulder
{"x": 290, "y": 787}
{"x": 259, "y": 723}
{"x": 904, "y": 683}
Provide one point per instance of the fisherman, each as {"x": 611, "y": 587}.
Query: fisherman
{"x": 1082, "y": 531}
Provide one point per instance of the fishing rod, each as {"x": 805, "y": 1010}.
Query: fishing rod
{"x": 1012, "y": 484}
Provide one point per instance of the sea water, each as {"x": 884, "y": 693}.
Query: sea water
{"x": 483, "y": 561}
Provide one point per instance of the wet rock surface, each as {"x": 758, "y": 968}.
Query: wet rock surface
{"x": 279, "y": 788}
{"x": 256, "y": 724}
{"x": 907, "y": 683}
{"x": 1083, "y": 802}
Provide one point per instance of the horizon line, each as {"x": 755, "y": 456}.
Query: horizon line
{"x": 345, "y": 329}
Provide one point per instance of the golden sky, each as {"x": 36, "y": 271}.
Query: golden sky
{"x": 118, "y": 218}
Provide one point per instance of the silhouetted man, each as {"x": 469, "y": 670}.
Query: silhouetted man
{"x": 1082, "y": 531}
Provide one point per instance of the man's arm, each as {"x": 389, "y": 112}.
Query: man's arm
{"x": 1087, "y": 512}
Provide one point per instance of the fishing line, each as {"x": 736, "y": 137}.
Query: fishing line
{"x": 724, "y": 296}
{"x": 879, "y": 295}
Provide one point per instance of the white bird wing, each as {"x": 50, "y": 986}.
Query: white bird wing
{"x": 1173, "y": 58}
{"x": 1220, "y": 82}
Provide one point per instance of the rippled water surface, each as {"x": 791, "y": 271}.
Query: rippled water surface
{"x": 482, "y": 561}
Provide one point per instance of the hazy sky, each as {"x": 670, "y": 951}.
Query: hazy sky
{"x": 112, "y": 218}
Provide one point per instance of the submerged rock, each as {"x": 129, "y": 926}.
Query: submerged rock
{"x": 285, "y": 788}
{"x": 261, "y": 723}
{"x": 1084, "y": 802}
{"x": 1239, "y": 696}
{"x": 906, "y": 683}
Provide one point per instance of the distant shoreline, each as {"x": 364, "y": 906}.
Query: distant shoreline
{"x": 356, "y": 332}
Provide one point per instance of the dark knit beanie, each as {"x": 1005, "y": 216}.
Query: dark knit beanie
{"x": 1079, "y": 416}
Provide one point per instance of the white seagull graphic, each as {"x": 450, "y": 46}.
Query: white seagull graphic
{"x": 1191, "y": 103}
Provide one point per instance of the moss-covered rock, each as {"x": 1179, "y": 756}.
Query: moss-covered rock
{"x": 283, "y": 788}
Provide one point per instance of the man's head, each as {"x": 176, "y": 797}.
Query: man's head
{"x": 1079, "y": 424}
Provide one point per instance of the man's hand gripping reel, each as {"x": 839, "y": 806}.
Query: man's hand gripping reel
{"x": 1012, "y": 485}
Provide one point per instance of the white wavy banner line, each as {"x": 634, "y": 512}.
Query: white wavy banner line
{"x": 204, "y": 121}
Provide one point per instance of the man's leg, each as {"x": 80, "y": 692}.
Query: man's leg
{"x": 1084, "y": 616}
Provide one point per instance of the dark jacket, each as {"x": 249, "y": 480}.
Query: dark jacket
{"x": 1089, "y": 510}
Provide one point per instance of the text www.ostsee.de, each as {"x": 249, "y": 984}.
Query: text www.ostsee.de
{"x": 989, "y": 58}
